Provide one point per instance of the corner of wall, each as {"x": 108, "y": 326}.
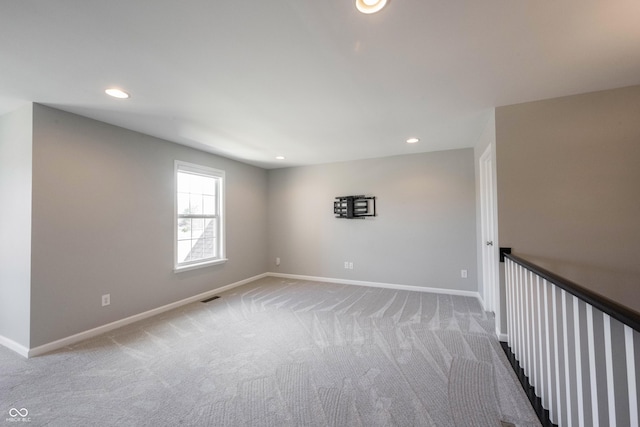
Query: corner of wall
{"x": 16, "y": 141}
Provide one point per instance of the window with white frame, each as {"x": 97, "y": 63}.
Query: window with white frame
{"x": 199, "y": 226}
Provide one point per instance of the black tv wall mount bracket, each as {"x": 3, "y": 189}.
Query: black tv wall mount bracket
{"x": 351, "y": 207}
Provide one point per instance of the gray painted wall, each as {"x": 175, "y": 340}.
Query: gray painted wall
{"x": 103, "y": 223}
{"x": 98, "y": 201}
{"x": 569, "y": 187}
{"x": 15, "y": 225}
{"x": 424, "y": 234}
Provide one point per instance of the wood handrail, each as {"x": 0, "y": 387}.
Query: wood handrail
{"x": 614, "y": 309}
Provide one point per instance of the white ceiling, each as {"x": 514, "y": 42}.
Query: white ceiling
{"x": 315, "y": 81}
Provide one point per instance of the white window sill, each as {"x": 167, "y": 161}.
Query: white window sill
{"x": 199, "y": 265}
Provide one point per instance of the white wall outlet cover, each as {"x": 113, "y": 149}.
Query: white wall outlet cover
{"x": 106, "y": 299}
{"x": 277, "y": 260}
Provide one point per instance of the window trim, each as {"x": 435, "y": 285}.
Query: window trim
{"x": 181, "y": 166}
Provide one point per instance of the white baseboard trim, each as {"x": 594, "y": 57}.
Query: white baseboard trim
{"x": 12, "y": 345}
{"x": 472, "y": 294}
{"x": 73, "y": 339}
{"x": 503, "y": 337}
{"x": 55, "y": 345}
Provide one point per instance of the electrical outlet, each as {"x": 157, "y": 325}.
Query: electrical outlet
{"x": 350, "y": 265}
{"x": 277, "y": 260}
{"x": 106, "y": 300}
{"x": 463, "y": 274}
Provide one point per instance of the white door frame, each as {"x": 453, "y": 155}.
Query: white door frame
{"x": 489, "y": 235}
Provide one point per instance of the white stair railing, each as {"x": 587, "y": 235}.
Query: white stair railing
{"x": 578, "y": 350}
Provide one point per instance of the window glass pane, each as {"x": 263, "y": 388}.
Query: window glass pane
{"x": 184, "y": 182}
{"x": 183, "y": 203}
{"x": 197, "y": 249}
{"x": 208, "y": 205}
{"x": 195, "y": 204}
{"x": 184, "y": 228}
{"x": 209, "y": 231}
{"x": 184, "y": 249}
{"x": 197, "y": 228}
{"x": 210, "y": 234}
{"x": 209, "y": 248}
{"x": 197, "y": 184}
{"x": 211, "y": 228}
{"x": 209, "y": 186}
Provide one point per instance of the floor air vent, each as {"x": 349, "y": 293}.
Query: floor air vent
{"x": 210, "y": 299}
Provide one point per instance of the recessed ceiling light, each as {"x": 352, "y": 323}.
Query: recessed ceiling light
{"x": 280, "y": 157}
{"x": 117, "y": 93}
{"x": 412, "y": 140}
{"x": 370, "y": 6}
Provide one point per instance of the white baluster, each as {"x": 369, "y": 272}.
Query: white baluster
{"x": 547, "y": 335}
{"x": 532, "y": 339}
{"x": 566, "y": 357}
{"x": 631, "y": 375}
{"x": 558, "y": 418}
{"x": 521, "y": 334}
{"x": 509, "y": 284}
{"x": 541, "y": 379}
{"x": 578, "y": 364}
{"x": 608, "y": 352}
{"x": 592, "y": 367}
